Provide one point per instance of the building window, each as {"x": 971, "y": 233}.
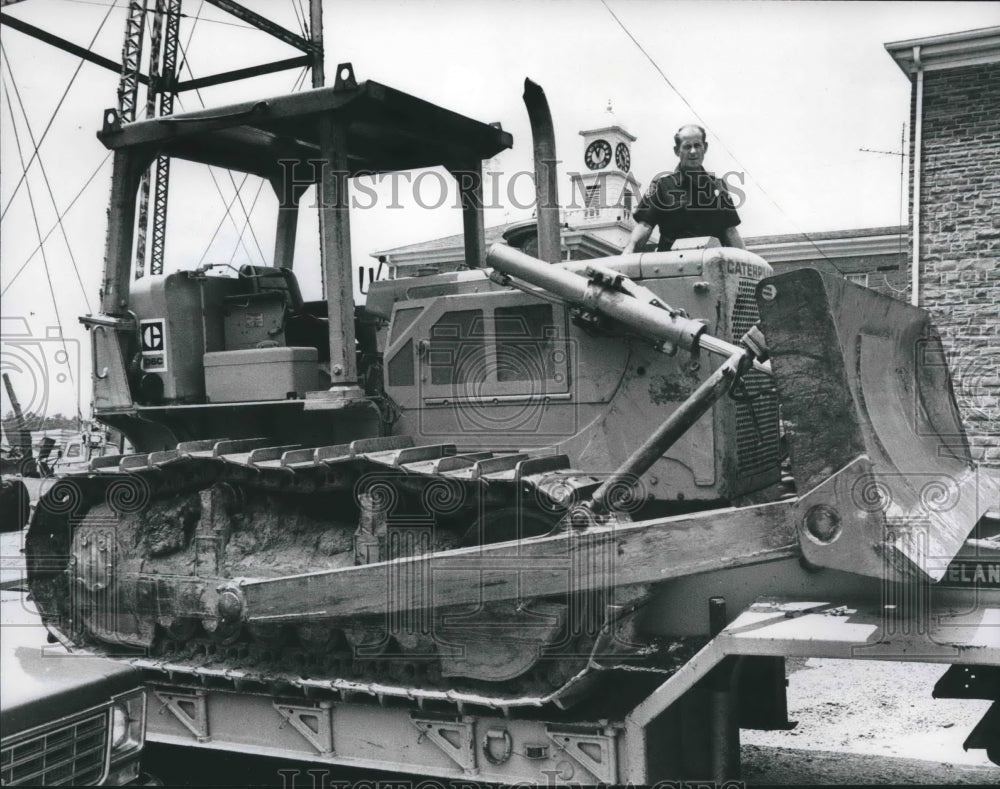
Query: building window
{"x": 593, "y": 197}
{"x": 628, "y": 201}
{"x": 592, "y": 200}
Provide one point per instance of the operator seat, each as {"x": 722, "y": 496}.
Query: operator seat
{"x": 299, "y": 327}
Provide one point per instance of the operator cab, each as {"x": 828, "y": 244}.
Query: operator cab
{"x": 188, "y": 339}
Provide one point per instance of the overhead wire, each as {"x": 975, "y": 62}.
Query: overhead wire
{"x": 305, "y": 20}
{"x": 59, "y": 218}
{"x": 180, "y": 15}
{"x": 194, "y": 24}
{"x": 93, "y": 175}
{"x": 298, "y": 19}
{"x": 232, "y": 179}
{"x": 704, "y": 123}
{"x": 45, "y": 175}
{"x": 38, "y": 231}
{"x": 238, "y": 190}
{"x": 55, "y": 112}
{"x": 253, "y": 205}
{"x": 222, "y": 221}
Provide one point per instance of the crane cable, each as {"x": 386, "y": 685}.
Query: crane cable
{"x": 178, "y": 15}
{"x": 59, "y": 218}
{"x": 295, "y": 87}
{"x": 232, "y": 179}
{"x": 299, "y": 19}
{"x": 38, "y": 230}
{"x": 725, "y": 147}
{"x": 56, "y": 111}
{"x": 197, "y": 18}
{"x": 218, "y": 227}
{"x": 246, "y": 222}
{"x": 45, "y": 176}
{"x": 247, "y": 225}
{"x": 183, "y": 64}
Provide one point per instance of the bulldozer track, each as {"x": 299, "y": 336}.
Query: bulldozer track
{"x": 396, "y": 477}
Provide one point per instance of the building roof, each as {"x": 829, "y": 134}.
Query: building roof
{"x": 608, "y": 128}
{"x": 826, "y": 235}
{"x": 829, "y": 243}
{"x": 951, "y": 50}
{"x": 775, "y": 248}
{"x": 493, "y": 234}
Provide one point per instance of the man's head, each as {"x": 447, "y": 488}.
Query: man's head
{"x": 690, "y": 145}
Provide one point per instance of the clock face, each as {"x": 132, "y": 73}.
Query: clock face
{"x": 622, "y": 158}
{"x": 598, "y": 154}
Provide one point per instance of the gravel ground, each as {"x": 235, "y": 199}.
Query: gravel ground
{"x": 849, "y": 711}
{"x": 764, "y": 766}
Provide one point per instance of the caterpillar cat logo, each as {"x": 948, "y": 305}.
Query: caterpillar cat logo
{"x": 153, "y": 336}
{"x": 745, "y": 269}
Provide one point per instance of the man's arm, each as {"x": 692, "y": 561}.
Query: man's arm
{"x": 731, "y": 238}
{"x": 640, "y": 235}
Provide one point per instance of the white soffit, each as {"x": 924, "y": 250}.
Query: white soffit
{"x": 953, "y": 50}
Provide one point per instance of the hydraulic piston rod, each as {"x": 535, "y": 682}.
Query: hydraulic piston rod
{"x": 663, "y": 325}
{"x": 689, "y": 412}
{"x": 614, "y": 295}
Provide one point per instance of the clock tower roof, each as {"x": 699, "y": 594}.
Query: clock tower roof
{"x": 609, "y": 125}
{"x": 608, "y": 130}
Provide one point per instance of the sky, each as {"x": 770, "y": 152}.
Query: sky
{"x": 790, "y": 93}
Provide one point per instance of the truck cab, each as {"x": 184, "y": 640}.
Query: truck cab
{"x": 67, "y": 719}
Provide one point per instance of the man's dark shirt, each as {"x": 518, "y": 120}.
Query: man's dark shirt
{"x": 687, "y": 205}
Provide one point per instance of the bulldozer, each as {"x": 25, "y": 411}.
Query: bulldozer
{"x": 532, "y": 517}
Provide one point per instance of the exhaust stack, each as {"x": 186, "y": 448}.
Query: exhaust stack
{"x": 546, "y": 184}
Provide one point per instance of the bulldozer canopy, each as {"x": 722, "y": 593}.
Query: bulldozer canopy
{"x": 386, "y": 130}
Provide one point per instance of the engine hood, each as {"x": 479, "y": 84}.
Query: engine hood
{"x": 42, "y": 682}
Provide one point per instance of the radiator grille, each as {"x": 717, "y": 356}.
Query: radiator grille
{"x": 756, "y": 420}
{"x": 71, "y": 753}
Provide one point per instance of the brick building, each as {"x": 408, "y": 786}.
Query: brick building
{"x": 954, "y": 235}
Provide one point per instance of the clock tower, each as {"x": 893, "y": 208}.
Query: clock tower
{"x": 604, "y": 190}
